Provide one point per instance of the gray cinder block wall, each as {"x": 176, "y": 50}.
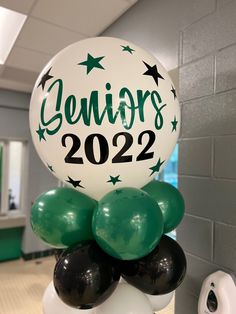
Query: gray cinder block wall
{"x": 207, "y": 149}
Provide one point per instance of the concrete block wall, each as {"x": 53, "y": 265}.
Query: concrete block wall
{"x": 207, "y": 149}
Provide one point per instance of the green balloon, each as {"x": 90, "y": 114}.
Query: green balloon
{"x": 127, "y": 223}
{"x": 63, "y": 217}
{"x": 170, "y": 202}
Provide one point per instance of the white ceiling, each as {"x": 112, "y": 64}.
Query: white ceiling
{"x": 50, "y": 26}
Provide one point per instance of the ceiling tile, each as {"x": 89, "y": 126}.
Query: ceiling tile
{"x": 16, "y": 79}
{"x": 51, "y": 26}
{"x": 132, "y": 1}
{"x": 88, "y": 17}
{"x": 25, "y": 59}
{"x": 1, "y": 68}
{"x": 22, "y": 6}
{"x": 16, "y": 85}
{"x": 23, "y": 76}
{"x": 44, "y": 37}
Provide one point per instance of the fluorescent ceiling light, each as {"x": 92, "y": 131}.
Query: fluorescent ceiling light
{"x": 11, "y": 23}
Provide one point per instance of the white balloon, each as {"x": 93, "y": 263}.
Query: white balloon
{"x": 126, "y": 300}
{"x": 53, "y": 305}
{"x": 159, "y": 302}
{"x": 122, "y": 280}
{"x": 103, "y": 115}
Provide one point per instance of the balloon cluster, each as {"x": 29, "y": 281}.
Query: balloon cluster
{"x": 122, "y": 234}
{"x": 119, "y": 137}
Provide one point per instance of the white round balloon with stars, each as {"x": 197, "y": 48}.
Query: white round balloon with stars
{"x": 103, "y": 115}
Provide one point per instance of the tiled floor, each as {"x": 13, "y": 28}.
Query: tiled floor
{"x": 22, "y": 285}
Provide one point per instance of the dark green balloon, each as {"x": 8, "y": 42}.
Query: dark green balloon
{"x": 127, "y": 223}
{"x": 63, "y": 217}
{"x": 170, "y": 201}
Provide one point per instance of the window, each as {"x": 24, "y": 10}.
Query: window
{"x": 170, "y": 175}
{"x": 170, "y": 171}
{"x": 14, "y": 174}
{"x": 1, "y": 167}
{"x": 11, "y": 174}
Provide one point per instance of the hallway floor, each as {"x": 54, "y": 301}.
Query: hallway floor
{"x": 22, "y": 285}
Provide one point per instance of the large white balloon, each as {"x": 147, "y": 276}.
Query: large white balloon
{"x": 104, "y": 114}
{"x": 126, "y": 300}
{"x": 159, "y": 302}
{"x": 53, "y": 305}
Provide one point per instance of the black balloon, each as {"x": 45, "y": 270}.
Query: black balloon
{"x": 160, "y": 272}
{"x": 85, "y": 276}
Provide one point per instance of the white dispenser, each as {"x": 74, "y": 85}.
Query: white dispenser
{"x": 218, "y": 294}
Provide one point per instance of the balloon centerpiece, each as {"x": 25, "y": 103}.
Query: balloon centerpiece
{"x": 104, "y": 118}
{"x": 100, "y": 112}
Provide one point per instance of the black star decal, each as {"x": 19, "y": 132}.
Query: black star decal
{"x": 40, "y": 132}
{"x": 74, "y": 183}
{"x": 174, "y": 124}
{"x": 152, "y": 71}
{"x": 174, "y": 92}
{"x": 50, "y": 168}
{"x": 114, "y": 180}
{"x": 45, "y": 78}
{"x": 157, "y": 167}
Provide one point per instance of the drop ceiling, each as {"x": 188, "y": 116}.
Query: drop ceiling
{"x": 50, "y": 26}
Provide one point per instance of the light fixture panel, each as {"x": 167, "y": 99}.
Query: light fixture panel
{"x": 11, "y": 23}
